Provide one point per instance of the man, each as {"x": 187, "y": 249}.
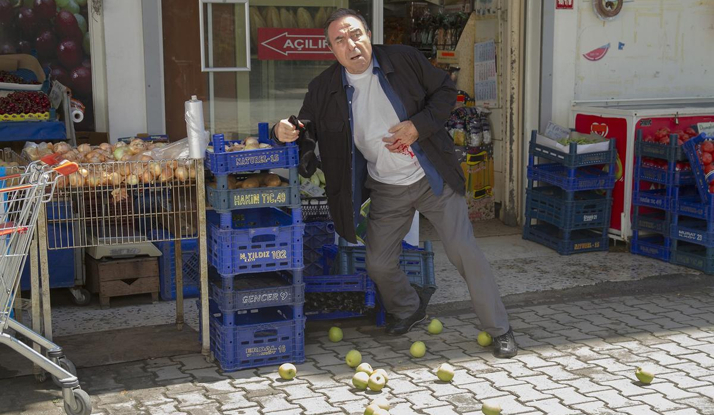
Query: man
{"x": 379, "y": 119}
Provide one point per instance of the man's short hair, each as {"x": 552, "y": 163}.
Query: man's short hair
{"x": 340, "y": 13}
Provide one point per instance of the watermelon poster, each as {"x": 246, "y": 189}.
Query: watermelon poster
{"x": 597, "y": 54}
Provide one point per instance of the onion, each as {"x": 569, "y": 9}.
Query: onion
{"x": 106, "y": 147}
{"x": 167, "y": 174}
{"x": 251, "y": 140}
{"x": 252, "y": 146}
{"x": 181, "y": 174}
{"x": 119, "y": 153}
{"x": 147, "y": 177}
{"x": 145, "y": 157}
{"x": 124, "y": 168}
{"x": 191, "y": 172}
{"x": 138, "y": 143}
{"x": 62, "y": 182}
{"x": 155, "y": 169}
{"x": 132, "y": 180}
{"x": 119, "y": 144}
{"x": 50, "y": 147}
{"x": 76, "y": 179}
{"x": 94, "y": 160}
{"x": 84, "y": 148}
{"x": 94, "y": 180}
{"x": 62, "y": 148}
{"x": 263, "y": 145}
{"x": 114, "y": 179}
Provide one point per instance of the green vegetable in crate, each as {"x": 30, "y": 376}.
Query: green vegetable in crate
{"x": 321, "y": 176}
{"x": 315, "y": 180}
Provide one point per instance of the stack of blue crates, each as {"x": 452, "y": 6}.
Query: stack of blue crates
{"x": 692, "y": 228}
{"x": 255, "y": 256}
{"x": 569, "y": 210}
{"x": 657, "y": 190}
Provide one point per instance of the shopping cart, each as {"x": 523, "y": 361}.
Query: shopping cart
{"x": 21, "y": 197}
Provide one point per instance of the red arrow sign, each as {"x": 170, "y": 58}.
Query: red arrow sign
{"x": 292, "y": 44}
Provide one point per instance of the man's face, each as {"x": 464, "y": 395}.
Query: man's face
{"x": 350, "y": 43}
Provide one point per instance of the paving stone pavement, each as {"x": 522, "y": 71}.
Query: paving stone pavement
{"x": 576, "y": 358}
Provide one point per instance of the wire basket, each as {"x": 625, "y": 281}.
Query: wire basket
{"x": 127, "y": 202}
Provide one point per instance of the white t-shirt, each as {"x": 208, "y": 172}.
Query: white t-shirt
{"x": 373, "y": 116}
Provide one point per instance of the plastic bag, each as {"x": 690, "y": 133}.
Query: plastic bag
{"x": 174, "y": 151}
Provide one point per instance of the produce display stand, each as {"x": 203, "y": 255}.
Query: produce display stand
{"x": 101, "y": 210}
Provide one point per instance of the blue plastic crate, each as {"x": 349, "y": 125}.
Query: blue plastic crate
{"x": 653, "y": 198}
{"x": 417, "y": 263}
{"x": 315, "y": 209}
{"x": 279, "y": 157}
{"x": 341, "y": 315}
{"x": 691, "y": 148}
{"x": 569, "y": 210}
{"x": 223, "y": 199}
{"x": 572, "y": 159}
{"x": 255, "y": 240}
{"x": 265, "y": 337}
{"x": 653, "y": 246}
{"x": 571, "y": 180}
{"x": 249, "y": 291}
{"x": 693, "y": 207}
{"x": 657, "y": 221}
{"x": 317, "y": 235}
{"x": 665, "y": 177}
{"x": 693, "y": 256}
{"x": 692, "y": 230}
{"x": 338, "y": 283}
{"x": 566, "y": 242}
{"x": 669, "y": 152}
{"x": 167, "y": 267}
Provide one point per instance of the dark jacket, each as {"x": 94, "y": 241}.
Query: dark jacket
{"x": 427, "y": 93}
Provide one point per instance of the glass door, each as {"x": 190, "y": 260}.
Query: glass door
{"x": 287, "y": 50}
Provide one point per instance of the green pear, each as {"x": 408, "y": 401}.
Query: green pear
{"x": 335, "y": 334}
{"x": 381, "y": 403}
{"x": 491, "y": 408}
{"x": 418, "y": 349}
{"x": 645, "y": 376}
{"x": 360, "y": 380}
{"x": 484, "y": 339}
{"x": 435, "y": 327}
{"x": 445, "y": 372}
{"x": 376, "y": 382}
{"x": 287, "y": 371}
{"x": 366, "y": 368}
{"x": 353, "y": 358}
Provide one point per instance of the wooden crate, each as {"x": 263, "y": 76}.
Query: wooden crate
{"x": 118, "y": 277}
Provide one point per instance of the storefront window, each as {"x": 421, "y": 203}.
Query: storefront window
{"x": 56, "y": 33}
{"x": 287, "y": 50}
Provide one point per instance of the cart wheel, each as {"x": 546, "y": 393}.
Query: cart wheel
{"x": 81, "y": 296}
{"x": 82, "y": 402}
{"x": 67, "y": 365}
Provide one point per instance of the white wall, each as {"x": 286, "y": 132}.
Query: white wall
{"x": 667, "y": 53}
{"x": 126, "y": 85}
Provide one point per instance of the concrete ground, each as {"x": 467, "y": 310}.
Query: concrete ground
{"x": 584, "y": 323}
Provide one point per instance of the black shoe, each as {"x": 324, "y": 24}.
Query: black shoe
{"x": 402, "y": 326}
{"x": 504, "y": 346}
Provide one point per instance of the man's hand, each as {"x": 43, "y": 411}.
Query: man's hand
{"x": 287, "y": 132}
{"x": 403, "y": 135}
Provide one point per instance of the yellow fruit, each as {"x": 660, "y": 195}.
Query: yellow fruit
{"x": 418, "y": 349}
{"x": 286, "y": 19}
{"x": 320, "y": 18}
{"x": 304, "y": 19}
{"x": 484, "y": 339}
{"x": 256, "y": 22}
{"x": 273, "y": 19}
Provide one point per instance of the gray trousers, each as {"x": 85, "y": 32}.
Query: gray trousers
{"x": 390, "y": 217}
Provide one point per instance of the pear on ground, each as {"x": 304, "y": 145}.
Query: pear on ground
{"x": 644, "y": 375}
{"x": 360, "y": 380}
{"x": 445, "y": 372}
{"x": 484, "y": 339}
{"x": 376, "y": 382}
{"x": 353, "y": 358}
{"x": 369, "y": 410}
{"x": 491, "y": 408}
{"x": 381, "y": 402}
{"x": 366, "y": 368}
{"x": 435, "y": 327}
{"x": 418, "y": 349}
{"x": 287, "y": 371}
{"x": 384, "y": 373}
{"x": 335, "y": 334}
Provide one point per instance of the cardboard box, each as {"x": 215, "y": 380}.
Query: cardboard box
{"x": 91, "y": 138}
{"x": 12, "y": 63}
